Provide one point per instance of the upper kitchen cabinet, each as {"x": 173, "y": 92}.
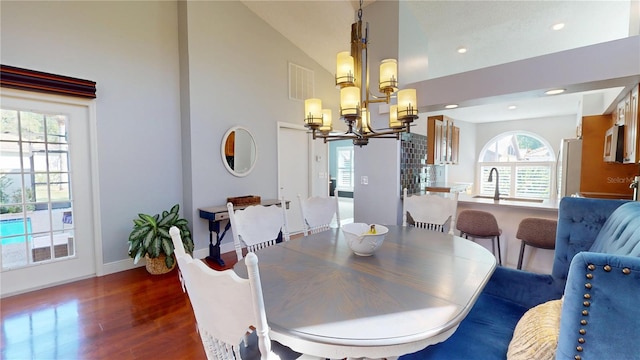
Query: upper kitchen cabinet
{"x": 629, "y": 105}
{"x": 442, "y": 141}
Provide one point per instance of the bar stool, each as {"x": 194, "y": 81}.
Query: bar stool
{"x": 480, "y": 225}
{"x": 535, "y": 232}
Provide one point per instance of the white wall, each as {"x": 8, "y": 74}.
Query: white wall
{"x": 130, "y": 49}
{"x": 552, "y": 129}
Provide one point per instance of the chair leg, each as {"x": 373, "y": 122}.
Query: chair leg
{"x": 499, "y": 252}
{"x": 493, "y": 246}
{"x": 521, "y": 256}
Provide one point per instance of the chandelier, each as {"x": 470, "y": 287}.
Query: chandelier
{"x": 352, "y": 76}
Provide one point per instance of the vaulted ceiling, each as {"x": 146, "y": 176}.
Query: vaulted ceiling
{"x": 494, "y": 32}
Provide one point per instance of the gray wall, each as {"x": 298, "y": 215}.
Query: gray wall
{"x": 237, "y": 78}
{"x": 130, "y": 49}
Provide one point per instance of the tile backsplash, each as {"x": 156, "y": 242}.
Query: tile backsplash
{"x": 414, "y": 171}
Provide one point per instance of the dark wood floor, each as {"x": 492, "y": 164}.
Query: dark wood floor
{"x": 127, "y": 315}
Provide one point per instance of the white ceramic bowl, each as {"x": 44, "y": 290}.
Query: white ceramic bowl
{"x": 360, "y": 241}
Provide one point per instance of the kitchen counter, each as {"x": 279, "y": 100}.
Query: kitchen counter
{"x": 447, "y": 187}
{"x": 551, "y": 205}
{"x": 509, "y": 213}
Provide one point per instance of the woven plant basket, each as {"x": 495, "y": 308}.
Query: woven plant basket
{"x": 156, "y": 266}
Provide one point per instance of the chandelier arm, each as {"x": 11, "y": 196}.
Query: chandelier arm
{"x": 384, "y": 98}
{"x": 386, "y": 132}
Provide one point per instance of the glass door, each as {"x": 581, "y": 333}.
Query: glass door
{"x": 45, "y": 179}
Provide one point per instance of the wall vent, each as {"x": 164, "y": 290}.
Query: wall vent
{"x": 300, "y": 82}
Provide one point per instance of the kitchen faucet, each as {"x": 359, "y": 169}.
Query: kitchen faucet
{"x": 496, "y": 195}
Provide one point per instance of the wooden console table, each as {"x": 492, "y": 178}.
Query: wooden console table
{"x": 216, "y": 214}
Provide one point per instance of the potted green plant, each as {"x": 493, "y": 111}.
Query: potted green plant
{"x": 150, "y": 239}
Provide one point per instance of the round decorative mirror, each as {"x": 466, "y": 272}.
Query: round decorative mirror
{"x": 238, "y": 151}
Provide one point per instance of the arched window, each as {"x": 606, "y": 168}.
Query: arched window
{"x": 525, "y": 162}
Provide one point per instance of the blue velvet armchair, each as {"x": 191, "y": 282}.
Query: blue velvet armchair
{"x": 597, "y": 269}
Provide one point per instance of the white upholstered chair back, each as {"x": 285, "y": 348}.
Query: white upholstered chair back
{"x": 430, "y": 211}
{"x": 318, "y": 213}
{"x": 223, "y": 320}
{"x": 257, "y": 226}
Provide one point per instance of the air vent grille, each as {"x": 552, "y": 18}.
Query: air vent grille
{"x": 300, "y": 82}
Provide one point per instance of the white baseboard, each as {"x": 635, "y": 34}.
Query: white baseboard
{"x": 127, "y": 264}
{"x": 120, "y": 265}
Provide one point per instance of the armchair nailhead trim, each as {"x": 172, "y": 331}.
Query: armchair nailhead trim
{"x": 587, "y": 303}
{"x": 585, "y": 312}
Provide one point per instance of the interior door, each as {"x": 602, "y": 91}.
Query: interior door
{"x": 47, "y": 227}
{"x": 294, "y": 172}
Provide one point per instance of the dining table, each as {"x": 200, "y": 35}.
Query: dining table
{"x": 323, "y": 300}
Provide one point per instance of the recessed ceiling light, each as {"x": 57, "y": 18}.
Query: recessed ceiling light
{"x": 554, "y": 91}
{"x": 451, "y": 106}
{"x": 462, "y": 50}
{"x": 558, "y": 26}
{"x": 512, "y": 107}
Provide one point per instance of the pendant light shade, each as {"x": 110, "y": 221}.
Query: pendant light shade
{"x": 313, "y": 111}
{"x": 388, "y": 76}
{"x": 345, "y": 69}
{"x": 407, "y": 105}
{"x": 326, "y": 121}
{"x": 394, "y": 123}
{"x": 350, "y": 101}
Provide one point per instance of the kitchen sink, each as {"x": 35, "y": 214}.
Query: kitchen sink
{"x": 509, "y": 199}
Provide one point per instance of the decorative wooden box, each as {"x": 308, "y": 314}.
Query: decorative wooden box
{"x": 244, "y": 200}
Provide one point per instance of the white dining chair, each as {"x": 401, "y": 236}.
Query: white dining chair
{"x": 430, "y": 211}
{"x": 223, "y": 321}
{"x": 233, "y": 326}
{"x": 257, "y": 226}
{"x": 318, "y": 213}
